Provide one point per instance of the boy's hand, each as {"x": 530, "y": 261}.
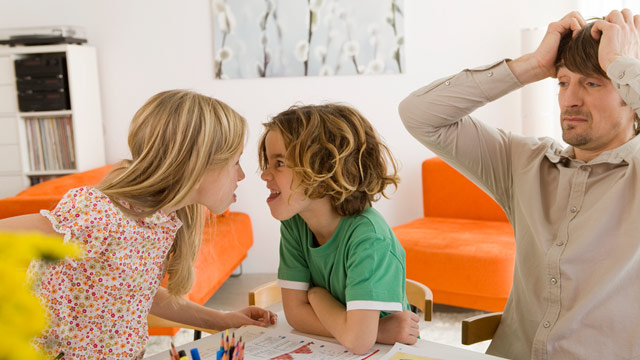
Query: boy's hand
{"x": 399, "y": 327}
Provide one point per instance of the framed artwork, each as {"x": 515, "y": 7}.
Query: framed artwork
{"x": 274, "y": 38}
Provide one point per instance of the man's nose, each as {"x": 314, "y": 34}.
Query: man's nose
{"x": 571, "y": 96}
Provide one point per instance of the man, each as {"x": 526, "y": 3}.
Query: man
{"x": 574, "y": 210}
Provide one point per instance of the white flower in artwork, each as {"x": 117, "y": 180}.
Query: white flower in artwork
{"x": 263, "y": 38}
{"x": 224, "y": 54}
{"x": 389, "y": 18}
{"x": 302, "y": 51}
{"x": 325, "y": 70}
{"x": 321, "y": 52}
{"x": 227, "y": 21}
{"x": 351, "y": 48}
{"x": 315, "y": 5}
{"x": 219, "y": 6}
{"x": 375, "y": 66}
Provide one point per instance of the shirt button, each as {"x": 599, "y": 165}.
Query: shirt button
{"x": 447, "y": 82}
{"x": 554, "y": 281}
{"x": 584, "y": 168}
{"x": 560, "y": 243}
{"x": 546, "y": 324}
{"x": 490, "y": 74}
{"x": 574, "y": 209}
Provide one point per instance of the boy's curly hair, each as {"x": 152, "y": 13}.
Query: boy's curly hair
{"x": 334, "y": 151}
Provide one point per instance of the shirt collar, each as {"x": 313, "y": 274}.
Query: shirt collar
{"x": 622, "y": 153}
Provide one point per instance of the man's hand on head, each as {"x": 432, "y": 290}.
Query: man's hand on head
{"x": 540, "y": 64}
{"x": 619, "y": 34}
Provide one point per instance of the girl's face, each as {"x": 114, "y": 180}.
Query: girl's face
{"x": 281, "y": 180}
{"x": 216, "y": 188}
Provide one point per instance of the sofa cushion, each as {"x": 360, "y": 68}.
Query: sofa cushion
{"x": 447, "y": 193}
{"x": 465, "y": 262}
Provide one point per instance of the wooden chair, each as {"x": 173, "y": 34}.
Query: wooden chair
{"x": 480, "y": 328}
{"x": 418, "y": 295}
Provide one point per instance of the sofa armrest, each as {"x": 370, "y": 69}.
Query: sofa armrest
{"x": 15, "y": 206}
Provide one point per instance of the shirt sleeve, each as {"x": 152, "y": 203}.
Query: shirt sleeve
{"x": 624, "y": 73}
{"x": 82, "y": 218}
{"x": 293, "y": 271}
{"x": 438, "y": 116}
{"x": 375, "y": 276}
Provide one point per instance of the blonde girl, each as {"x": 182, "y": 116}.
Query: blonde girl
{"x": 144, "y": 220}
{"x": 341, "y": 267}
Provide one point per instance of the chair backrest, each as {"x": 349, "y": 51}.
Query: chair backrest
{"x": 447, "y": 193}
{"x": 421, "y": 297}
{"x": 480, "y": 328}
{"x": 418, "y": 295}
{"x": 265, "y": 295}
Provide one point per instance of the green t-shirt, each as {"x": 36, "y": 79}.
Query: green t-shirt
{"x": 362, "y": 265}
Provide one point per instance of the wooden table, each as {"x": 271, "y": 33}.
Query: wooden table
{"x": 426, "y": 347}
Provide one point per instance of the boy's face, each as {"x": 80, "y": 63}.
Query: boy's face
{"x": 594, "y": 117}
{"x": 280, "y": 181}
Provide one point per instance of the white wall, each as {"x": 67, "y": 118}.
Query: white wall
{"x": 148, "y": 46}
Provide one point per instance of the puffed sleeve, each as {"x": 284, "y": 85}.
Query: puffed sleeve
{"x": 83, "y": 216}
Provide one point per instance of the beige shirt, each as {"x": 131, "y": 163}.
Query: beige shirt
{"x": 575, "y": 293}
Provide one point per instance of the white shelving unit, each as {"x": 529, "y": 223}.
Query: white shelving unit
{"x": 17, "y": 168}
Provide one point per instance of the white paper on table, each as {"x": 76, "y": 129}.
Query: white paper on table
{"x": 405, "y": 352}
{"x": 263, "y": 343}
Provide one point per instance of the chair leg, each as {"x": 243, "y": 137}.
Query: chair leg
{"x": 197, "y": 334}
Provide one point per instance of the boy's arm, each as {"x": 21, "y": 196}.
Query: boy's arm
{"x": 300, "y": 315}
{"x": 356, "y": 330}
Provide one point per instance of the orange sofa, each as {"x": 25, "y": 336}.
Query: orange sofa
{"x": 463, "y": 248}
{"x": 226, "y": 237}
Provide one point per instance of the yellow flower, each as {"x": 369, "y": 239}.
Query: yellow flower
{"x": 21, "y": 316}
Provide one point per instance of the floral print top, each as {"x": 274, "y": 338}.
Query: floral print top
{"x": 98, "y": 304}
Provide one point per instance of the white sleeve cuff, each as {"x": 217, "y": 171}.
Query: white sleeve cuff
{"x": 294, "y": 285}
{"x": 374, "y": 305}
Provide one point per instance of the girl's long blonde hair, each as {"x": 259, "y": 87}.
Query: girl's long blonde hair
{"x": 174, "y": 137}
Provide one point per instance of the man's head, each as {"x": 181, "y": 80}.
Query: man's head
{"x": 594, "y": 118}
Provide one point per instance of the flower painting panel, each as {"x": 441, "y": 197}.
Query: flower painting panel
{"x": 272, "y": 38}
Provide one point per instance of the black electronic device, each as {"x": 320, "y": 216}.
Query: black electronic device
{"x": 45, "y": 35}
{"x": 41, "y": 80}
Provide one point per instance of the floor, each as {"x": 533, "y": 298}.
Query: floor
{"x": 233, "y": 294}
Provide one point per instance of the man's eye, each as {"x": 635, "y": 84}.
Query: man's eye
{"x": 592, "y": 84}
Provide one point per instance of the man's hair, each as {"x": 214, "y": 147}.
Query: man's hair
{"x": 579, "y": 54}
{"x": 174, "y": 138}
{"x": 334, "y": 151}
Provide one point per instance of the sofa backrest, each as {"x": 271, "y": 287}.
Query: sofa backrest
{"x": 447, "y": 193}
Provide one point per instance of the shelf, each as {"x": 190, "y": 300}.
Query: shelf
{"x": 37, "y": 114}
{"x": 51, "y": 172}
